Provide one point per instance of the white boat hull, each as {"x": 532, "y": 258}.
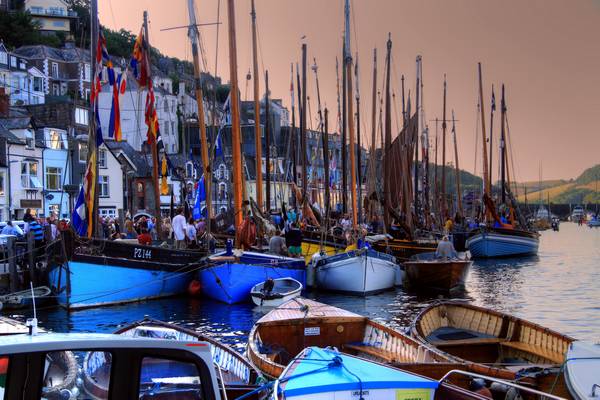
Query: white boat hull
{"x": 284, "y": 289}
{"x": 581, "y": 370}
{"x": 360, "y": 273}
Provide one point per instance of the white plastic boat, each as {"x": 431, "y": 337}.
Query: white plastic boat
{"x": 360, "y": 272}
{"x": 582, "y": 370}
{"x": 275, "y": 292}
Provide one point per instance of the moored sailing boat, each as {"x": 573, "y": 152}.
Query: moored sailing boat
{"x": 499, "y": 238}
{"x": 92, "y": 272}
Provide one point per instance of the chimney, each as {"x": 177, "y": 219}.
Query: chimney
{"x": 69, "y": 42}
{"x": 181, "y": 88}
{"x": 4, "y": 102}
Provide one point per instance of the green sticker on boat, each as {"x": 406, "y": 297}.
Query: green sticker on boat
{"x": 413, "y": 394}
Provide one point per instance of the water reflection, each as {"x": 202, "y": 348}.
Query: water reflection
{"x": 558, "y": 289}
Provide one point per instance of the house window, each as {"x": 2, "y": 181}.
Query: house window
{"x": 107, "y": 212}
{"x": 3, "y": 58}
{"x": 36, "y": 10}
{"x": 166, "y": 125}
{"x": 166, "y": 105}
{"x": 189, "y": 169}
{"x": 58, "y": 24}
{"x": 53, "y": 178}
{"x": 222, "y": 191}
{"x": 55, "y": 70}
{"x": 2, "y": 182}
{"x": 103, "y": 186}
{"x": 173, "y": 130}
{"x": 83, "y": 152}
{"x": 29, "y": 179}
{"x": 37, "y": 84}
{"x": 55, "y": 89}
{"x": 13, "y": 61}
{"x": 56, "y": 140}
{"x": 81, "y": 116}
{"x": 29, "y": 142}
{"x": 102, "y": 158}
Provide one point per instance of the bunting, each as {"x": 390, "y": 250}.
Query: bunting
{"x": 139, "y": 61}
{"x": 164, "y": 187}
{"x": 119, "y": 85}
{"x": 83, "y": 214}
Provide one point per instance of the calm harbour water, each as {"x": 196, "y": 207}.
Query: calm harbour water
{"x": 559, "y": 289}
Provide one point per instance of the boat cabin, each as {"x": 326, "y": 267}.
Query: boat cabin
{"x": 61, "y": 366}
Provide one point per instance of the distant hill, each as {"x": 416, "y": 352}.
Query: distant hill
{"x": 584, "y": 189}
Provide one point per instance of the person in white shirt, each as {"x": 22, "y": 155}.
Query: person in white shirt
{"x": 179, "y": 229}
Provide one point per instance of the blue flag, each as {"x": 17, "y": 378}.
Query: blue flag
{"x": 79, "y": 217}
{"x": 200, "y": 197}
{"x": 218, "y": 145}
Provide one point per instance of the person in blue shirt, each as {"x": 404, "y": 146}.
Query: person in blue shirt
{"x": 11, "y": 229}
{"x": 38, "y": 233}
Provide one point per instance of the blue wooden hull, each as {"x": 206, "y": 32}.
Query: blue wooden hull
{"x": 98, "y": 284}
{"x": 231, "y": 282}
{"x": 491, "y": 244}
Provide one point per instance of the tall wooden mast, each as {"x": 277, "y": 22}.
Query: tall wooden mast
{"x": 358, "y": 147}
{"x": 350, "y": 116}
{"x": 325, "y": 138}
{"x": 503, "y": 147}
{"x": 486, "y": 180}
{"x": 257, "y": 133}
{"x": 236, "y": 135}
{"x": 154, "y": 147}
{"x": 344, "y": 138}
{"x": 194, "y": 35}
{"x": 493, "y": 108}
{"x": 457, "y": 169}
{"x": 388, "y": 137}
{"x": 267, "y": 145}
{"x": 416, "y": 165}
{"x": 293, "y": 133}
{"x": 95, "y": 228}
{"x": 443, "y": 188}
{"x": 372, "y": 159}
{"x": 303, "y": 126}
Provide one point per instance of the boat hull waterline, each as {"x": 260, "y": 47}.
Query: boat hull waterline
{"x": 492, "y": 244}
{"x": 231, "y": 281}
{"x": 91, "y": 284}
{"x": 356, "y": 272}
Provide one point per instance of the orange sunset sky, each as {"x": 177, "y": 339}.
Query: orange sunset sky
{"x": 547, "y": 52}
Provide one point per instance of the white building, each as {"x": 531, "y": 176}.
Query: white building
{"x": 132, "y": 107}
{"x": 52, "y": 15}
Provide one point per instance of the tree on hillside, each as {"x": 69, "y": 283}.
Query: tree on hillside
{"x": 18, "y": 29}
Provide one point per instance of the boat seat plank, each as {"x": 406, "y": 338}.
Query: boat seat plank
{"x": 377, "y": 352}
{"x": 553, "y": 356}
{"x": 466, "y": 342}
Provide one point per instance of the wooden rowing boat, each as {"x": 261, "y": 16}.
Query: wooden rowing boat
{"x": 239, "y": 375}
{"x": 424, "y": 271}
{"x": 403, "y": 249}
{"x": 284, "y": 332}
{"x": 495, "y": 344}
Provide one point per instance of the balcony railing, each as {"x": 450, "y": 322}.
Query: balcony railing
{"x": 52, "y": 13}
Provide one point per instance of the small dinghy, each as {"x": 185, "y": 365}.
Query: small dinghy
{"x": 581, "y": 370}
{"x": 23, "y": 299}
{"x": 493, "y": 343}
{"x": 285, "y": 331}
{"x": 238, "y": 374}
{"x": 425, "y": 271}
{"x": 274, "y": 292}
{"x": 326, "y": 374}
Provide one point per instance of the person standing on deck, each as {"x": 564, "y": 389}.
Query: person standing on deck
{"x": 277, "y": 244}
{"x": 179, "y": 228}
{"x": 445, "y": 249}
{"x": 293, "y": 240}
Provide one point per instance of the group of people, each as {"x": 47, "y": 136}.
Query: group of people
{"x": 189, "y": 233}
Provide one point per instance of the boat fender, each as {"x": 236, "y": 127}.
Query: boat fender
{"x": 194, "y": 288}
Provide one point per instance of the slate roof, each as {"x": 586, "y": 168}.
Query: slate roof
{"x": 41, "y": 52}
{"x": 143, "y": 168}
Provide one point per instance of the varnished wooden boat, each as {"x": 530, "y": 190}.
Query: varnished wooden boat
{"x": 284, "y": 332}
{"x": 404, "y": 249}
{"x": 424, "y": 271}
{"x": 495, "y": 344}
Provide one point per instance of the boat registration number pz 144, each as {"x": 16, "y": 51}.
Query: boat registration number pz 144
{"x": 312, "y": 331}
{"x": 145, "y": 254}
